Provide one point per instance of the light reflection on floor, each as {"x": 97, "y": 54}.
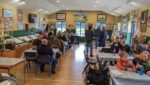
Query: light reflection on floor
{"x": 79, "y": 56}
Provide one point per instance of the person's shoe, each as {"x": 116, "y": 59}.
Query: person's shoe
{"x": 53, "y": 72}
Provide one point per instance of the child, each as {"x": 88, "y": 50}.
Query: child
{"x": 123, "y": 63}
{"x": 143, "y": 61}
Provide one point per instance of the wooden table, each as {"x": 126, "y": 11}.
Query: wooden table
{"x": 14, "y": 66}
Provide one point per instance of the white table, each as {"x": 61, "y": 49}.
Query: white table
{"x": 110, "y": 56}
{"x": 120, "y": 77}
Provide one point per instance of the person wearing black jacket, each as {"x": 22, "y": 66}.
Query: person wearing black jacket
{"x": 44, "y": 49}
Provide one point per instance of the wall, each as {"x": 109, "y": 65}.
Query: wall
{"x": 25, "y": 14}
{"x": 92, "y": 17}
{"x": 138, "y": 19}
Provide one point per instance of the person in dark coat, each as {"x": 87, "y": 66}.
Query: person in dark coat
{"x": 89, "y": 39}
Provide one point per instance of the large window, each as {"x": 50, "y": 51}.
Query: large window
{"x": 80, "y": 28}
{"x": 100, "y": 24}
{"x": 61, "y": 26}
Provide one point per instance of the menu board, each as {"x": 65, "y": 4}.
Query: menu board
{"x": 7, "y": 19}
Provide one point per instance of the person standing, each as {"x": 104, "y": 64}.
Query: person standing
{"x": 89, "y": 39}
{"x": 103, "y": 37}
{"x": 97, "y": 33}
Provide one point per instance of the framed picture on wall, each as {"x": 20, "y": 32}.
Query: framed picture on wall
{"x": 7, "y": 18}
{"x": 101, "y": 17}
{"x": 144, "y": 17}
{"x": 61, "y": 16}
{"x": 7, "y": 13}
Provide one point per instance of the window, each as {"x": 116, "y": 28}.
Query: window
{"x": 80, "y": 28}
{"x": 61, "y": 26}
{"x": 100, "y": 24}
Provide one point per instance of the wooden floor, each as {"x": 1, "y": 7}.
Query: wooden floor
{"x": 69, "y": 70}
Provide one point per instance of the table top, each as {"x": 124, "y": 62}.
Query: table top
{"x": 117, "y": 73}
{"x": 111, "y": 56}
{"x": 30, "y": 50}
{"x": 10, "y": 62}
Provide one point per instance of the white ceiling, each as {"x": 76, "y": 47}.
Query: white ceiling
{"x": 114, "y": 7}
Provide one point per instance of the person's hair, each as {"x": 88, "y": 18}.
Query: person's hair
{"x": 145, "y": 53}
{"x": 98, "y": 27}
{"x": 103, "y": 28}
{"x": 44, "y": 41}
{"x": 122, "y": 54}
{"x": 90, "y": 27}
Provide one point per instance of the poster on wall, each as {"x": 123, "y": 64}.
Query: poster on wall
{"x": 7, "y": 19}
{"x": 144, "y": 19}
{"x": 20, "y": 19}
{"x": 101, "y": 17}
{"x": 80, "y": 17}
{"x": 61, "y": 16}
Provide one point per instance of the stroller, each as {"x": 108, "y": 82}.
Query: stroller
{"x": 96, "y": 77}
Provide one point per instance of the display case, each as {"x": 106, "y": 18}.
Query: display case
{"x": 25, "y": 38}
{"x": 33, "y": 37}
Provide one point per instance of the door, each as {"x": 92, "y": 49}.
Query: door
{"x": 80, "y": 29}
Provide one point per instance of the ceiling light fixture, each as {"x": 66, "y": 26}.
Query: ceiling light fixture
{"x": 22, "y": 2}
{"x": 134, "y": 3}
{"x": 58, "y": 1}
{"x": 117, "y": 11}
{"x": 95, "y": 6}
{"x": 96, "y": 1}
{"x": 16, "y": 0}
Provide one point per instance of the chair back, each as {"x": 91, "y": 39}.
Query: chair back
{"x": 43, "y": 59}
{"x": 30, "y": 56}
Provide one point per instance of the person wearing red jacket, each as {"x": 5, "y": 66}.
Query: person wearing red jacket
{"x": 124, "y": 64}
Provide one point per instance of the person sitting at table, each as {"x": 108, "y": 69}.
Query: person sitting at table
{"x": 147, "y": 48}
{"x": 37, "y": 42}
{"x": 125, "y": 47}
{"x": 123, "y": 63}
{"x": 135, "y": 47}
{"x": 116, "y": 45}
{"x": 44, "y": 49}
{"x": 143, "y": 60}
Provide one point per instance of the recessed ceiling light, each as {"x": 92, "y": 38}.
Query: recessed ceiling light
{"x": 16, "y": 0}
{"x": 58, "y": 1}
{"x": 22, "y": 2}
{"x": 96, "y": 1}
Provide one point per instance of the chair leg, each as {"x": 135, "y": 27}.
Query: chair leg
{"x": 49, "y": 71}
{"x": 85, "y": 68}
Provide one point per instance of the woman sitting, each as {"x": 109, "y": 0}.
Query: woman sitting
{"x": 124, "y": 64}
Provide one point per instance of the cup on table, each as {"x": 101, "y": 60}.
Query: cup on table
{"x": 141, "y": 70}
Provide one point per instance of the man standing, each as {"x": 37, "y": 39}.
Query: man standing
{"x": 89, "y": 39}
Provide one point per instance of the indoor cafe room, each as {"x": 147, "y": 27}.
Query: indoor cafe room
{"x": 74, "y": 42}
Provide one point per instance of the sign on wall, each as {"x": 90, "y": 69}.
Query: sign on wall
{"x": 144, "y": 19}
{"x": 101, "y": 17}
{"x": 80, "y": 17}
{"x": 61, "y": 16}
{"x": 7, "y": 18}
